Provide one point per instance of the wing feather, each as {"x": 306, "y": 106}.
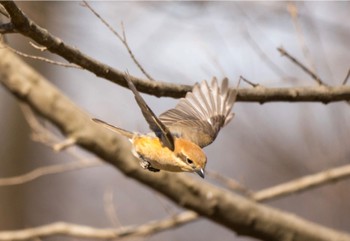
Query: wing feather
{"x": 202, "y": 113}
{"x": 155, "y": 124}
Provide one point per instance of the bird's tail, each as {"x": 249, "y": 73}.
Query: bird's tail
{"x": 118, "y": 130}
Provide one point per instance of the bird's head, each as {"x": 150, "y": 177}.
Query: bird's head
{"x": 191, "y": 157}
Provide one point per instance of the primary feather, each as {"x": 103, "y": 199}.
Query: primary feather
{"x": 202, "y": 113}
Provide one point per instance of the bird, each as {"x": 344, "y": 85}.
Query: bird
{"x": 179, "y": 134}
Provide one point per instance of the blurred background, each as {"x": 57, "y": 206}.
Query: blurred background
{"x": 186, "y": 42}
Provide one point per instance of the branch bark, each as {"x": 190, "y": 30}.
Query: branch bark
{"x": 239, "y": 214}
{"x": 25, "y": 26}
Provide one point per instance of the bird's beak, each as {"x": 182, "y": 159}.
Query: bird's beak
{"x": 200, "y": 172}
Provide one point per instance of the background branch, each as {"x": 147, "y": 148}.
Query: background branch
{"x": 301, "y": 65}
{"x": 48, "y": 170}
{"x": 122, "y": 38}
{"x": 80, "y": 231}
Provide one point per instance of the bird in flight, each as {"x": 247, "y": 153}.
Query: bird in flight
{"x": 179, "y": 134}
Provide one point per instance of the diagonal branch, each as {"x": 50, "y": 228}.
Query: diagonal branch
{"x": 46, "y": 60}
{"x": 239, "y": 214}
{"x": 48, "y": 170}
{"x": 303, "y": 183}
{"x": 302, "y": 66}
{"x": 122, "y": 38}
{"x": 346, "y": 78}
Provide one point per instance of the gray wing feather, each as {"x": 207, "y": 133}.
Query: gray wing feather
{"x": 202, "y": 113}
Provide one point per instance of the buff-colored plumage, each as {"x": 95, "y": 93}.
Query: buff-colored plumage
{"x": 181, "y": 132}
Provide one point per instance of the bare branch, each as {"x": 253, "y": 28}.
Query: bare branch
{"x": 302, "y": 66}
{"x": 263, "y": 56}
{"x": 303, "y": 183}
{"x": 42, "y": 134}
{"x": 218, "y": 205}
{"x": 43, "y": 59}
{"x": 80, "y": 231}
{"x": 228, "y": 182}
{"x": 48, "y": 170}
{"x": 254, "y": 85}
{"x": 166, "y": 206}
{"x": 110, "y": 209}
{"x": 121, "y": 38}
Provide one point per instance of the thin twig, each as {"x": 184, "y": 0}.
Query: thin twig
{"x": 263, "y": 56}
{"x": 39, "y": 132}
{"x": 254, "y": 85}
{"x": 68, "y": 65}
{"x": 293, "y": 11}
{"x": 42, "y": 134}
{"x": 302, "y": 66}
{"x": 48, "y": 170}
{"x": 133, "y": 56}
{"x": 228, "y": 182}
{"x": 121, "y": 38}
{"x": 346, "y": 77}
{"x": 304, "y": 183}
{"x": 110, "y": 209}
{"x": 166, "y": 206}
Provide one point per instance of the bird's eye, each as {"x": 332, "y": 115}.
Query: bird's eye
{"x": 189, "y": 161}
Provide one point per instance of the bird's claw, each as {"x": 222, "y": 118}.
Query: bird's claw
{"x": 147, "y": 165}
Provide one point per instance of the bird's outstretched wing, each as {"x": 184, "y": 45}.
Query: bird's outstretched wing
{"x": 162, "y": 132}
{"x": 202, "y": 113}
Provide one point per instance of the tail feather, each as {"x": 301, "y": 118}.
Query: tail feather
{"x": 118, "y": 130}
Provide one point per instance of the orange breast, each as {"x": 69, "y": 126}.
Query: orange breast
{"x": 151, "y": 149}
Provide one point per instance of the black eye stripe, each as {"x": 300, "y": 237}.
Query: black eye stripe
{"x": 185, "y": 158}
{"x": 182, "y": 157}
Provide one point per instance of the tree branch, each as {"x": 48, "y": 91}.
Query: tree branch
{"x": 239, "y": 214}
{"x": 80, "y": 231}
{"x": 55, "y": 45}
{"x": 303, "y": 183}
{"x": 48, "y": 170}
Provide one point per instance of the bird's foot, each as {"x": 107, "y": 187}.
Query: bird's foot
{"x": 147, "y": 165}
